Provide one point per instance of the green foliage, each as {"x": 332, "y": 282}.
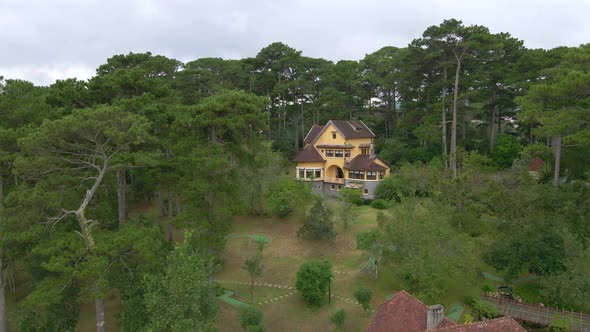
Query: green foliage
{"x": 482, "y": 310}
{"x": 559, "y": 323}
{"x": 338, "y": 318}
{"x": 394, "y": 189}
{"x": 181, "y": 298}
{"x": 254, "y": 267}
{"x": 363, "y": 295}
{"x": 313, "y": 279}
{"x": 318, "y": 223}
{"x": 285, "y": 196}
{"x": 351, "y": 196}
{"x": 251, "y": 319}
{"x": 476, "y": 162}
{"x": 425, "y": 249}
{"x": 506, "y": 149}
{"x": 537, "y": 150}
{"x": 379, "y": 204}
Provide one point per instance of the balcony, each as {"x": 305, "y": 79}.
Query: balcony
{"x": 334, "y": 180}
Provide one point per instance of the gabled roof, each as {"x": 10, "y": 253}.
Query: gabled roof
{"x": 348, "y": 128}
{"x": 405, "y": 313}
{"x": 309, "y": 154}
{"x": 352, "y": 128}
{"x": 402, "y": 313}
{"x": 364, "y": 162}
{"x": 502, "y": 324}
{"x": 312, "y": 134}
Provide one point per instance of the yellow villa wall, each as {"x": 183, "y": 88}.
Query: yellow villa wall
{"x": 311, "y": 165}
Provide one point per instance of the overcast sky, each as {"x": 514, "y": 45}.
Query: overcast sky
{"x": 45, "y": 40}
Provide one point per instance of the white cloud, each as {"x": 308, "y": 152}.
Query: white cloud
{"x": 45, "y": 40}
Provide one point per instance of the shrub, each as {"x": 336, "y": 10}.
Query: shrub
{"x": 251, "y": 319}
{"x": 313, "y": 279}
{"x": 338, "y": 319}
{"x": 507, "y": 149}
{"x": 379, "y": 204}
{"x": 352, "y": 196}
{"x": 394, "y": 188}
{"x": 363, "y": 295}
{"x": 285, "y": 196}
{"x": 318, "y": 223}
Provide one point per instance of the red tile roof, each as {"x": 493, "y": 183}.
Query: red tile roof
{"x": 502, "y": 324}
{"x": 309, "y": 154}
{"x": 364, "y": 162}
{"x": 402, "y": 313}
{"x": 536, "y": 164}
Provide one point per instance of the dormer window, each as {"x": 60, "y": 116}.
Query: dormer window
{"x": 333, "y": 135}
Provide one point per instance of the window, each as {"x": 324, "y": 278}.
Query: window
{"x": 364, "y": 151}
{"x": 309, "y": 173}
{"x": 365, "y": 191}
{"x": 356, "y": 175}
{"x": 371, "y": 175}
{"x": 332, "y": 187}
{"x": 347, "y": 153}
{"x": 381, "y": 175}
{"x": 333, "y": 135}
{"x": 318, "y": 173}
{"x": 302, "y": 173}
{"x": 329, "y": 153}
{"x": 338, "y": 153}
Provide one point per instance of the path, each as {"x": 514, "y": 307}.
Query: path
{"x": 538, "y": 314}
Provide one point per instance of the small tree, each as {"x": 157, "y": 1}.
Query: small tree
{"x": 254, "y": 267}
{"x": 349, "y": 199}
{"x": 363, "y": 295}
{"x": 318, "y": 223}
{"x": 251, "y": 320}
{"x": 313, "y": 280}
{"x": 338, "y": 319}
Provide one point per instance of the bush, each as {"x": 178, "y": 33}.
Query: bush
{"x": 478, "y": 162}
{"x": 251, "y": 319}
{"x": 313, "y": 279}
{"x": 394, "y": 188}
{"x": 483, "y": 310}
{"x": 363, "y": 295}
{"x": 506, "y": 149}
{"x": 379, "y": 204}
{"x": 318, "y": 223}
{"x": 285, "y": 196}
{"x": 338, "y": 319}
{"x": 352, "y": 196}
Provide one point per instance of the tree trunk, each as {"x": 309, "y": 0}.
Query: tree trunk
{"x": 170, "y": 215}
{"x": 161, "y": 201}
{"x": 557, "y": 149}
{"x": 493, "y": 122}
{"x": 444, "y": 120}
{"x": 99, "y": 310}
{"x": 454, "y": 122}
{"x": 177, "y": 199}
{"x": 121, "y": 188}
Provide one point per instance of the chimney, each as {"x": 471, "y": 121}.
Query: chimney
{"x": 435, "y": 316}
{"x": 372, "y": 150}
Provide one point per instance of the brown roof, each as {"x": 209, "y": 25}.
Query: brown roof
{"x": 405, "y": 313}
{"x": 309, "y": 154}
{"x": 312, "y": 134}
{"x": 353, "y": 128}
{"x": 402, "y": 313}
{"x": 364, "y": 162}
{"x": 502, "y": 324}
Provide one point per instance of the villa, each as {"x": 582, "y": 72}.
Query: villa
{"x": 341, "y": 154}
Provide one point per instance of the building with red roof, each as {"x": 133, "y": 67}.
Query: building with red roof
{"x": 405, "y": 313}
